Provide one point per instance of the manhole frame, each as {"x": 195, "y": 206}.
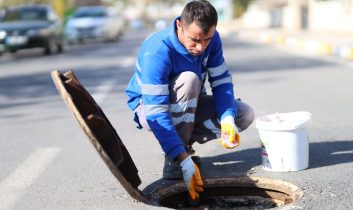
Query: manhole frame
{"x": 280, "y": 192}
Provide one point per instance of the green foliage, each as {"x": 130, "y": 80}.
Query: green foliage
{"x": 68, "y": 13}
{"x": 64, "y": 8}
{"x": 240, "y": 7}
{"x": 7, "y": 3}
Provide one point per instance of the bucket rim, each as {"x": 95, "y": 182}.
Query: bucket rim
{"x": 263, "y": 123}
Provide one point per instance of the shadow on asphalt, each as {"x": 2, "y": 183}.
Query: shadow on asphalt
{"x": 324, "y": 154}
{"x": 35, "y": 88}
{"x": 241, "y": 163}
{"x": 235, "y": 164}
{"x": 128, "y": 42}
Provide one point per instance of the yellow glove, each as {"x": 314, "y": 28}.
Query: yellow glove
{"x": 229, "y": 133}
{"x": 192, "y": 177}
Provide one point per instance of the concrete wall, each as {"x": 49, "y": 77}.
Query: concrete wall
{"x": 327, "y": 16}
{"x": 331, "y": 16}
{"x": 257, "y": 17}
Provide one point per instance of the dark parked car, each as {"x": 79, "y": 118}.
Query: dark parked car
{"x": 2, "y": 33}
{"x": 31, "y": 26}
{"x": 2, "y": 13}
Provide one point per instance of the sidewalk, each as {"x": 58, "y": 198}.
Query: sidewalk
{"x": 333, "y": 44}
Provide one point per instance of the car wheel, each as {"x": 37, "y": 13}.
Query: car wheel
{"x": 50, "y": 48}
{"x": 70, "y": 42}
{"x": 81, "y": 41}
{"x": 117, "y": 37}
{"x": 60, "y": 47}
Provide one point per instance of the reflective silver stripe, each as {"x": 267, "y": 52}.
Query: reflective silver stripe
{"x": 182, "y": 106}
{"x": 155, "y": 89}
{"x": 155, "y": 109}
{"x": 219, "y": 70}
{"x": 187, "y": 117}
{"x": 204, "y": 76}
{"x": 211, "y": 126}
{"x": 221, "y": 81}
{"x": 138, "y": 80}
{"x": 138, "y": 67}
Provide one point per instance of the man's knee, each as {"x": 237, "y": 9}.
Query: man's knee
{"x": 192, "y": 81}
{"x": 187, "y": 84}
{"x": 246, "y": 118}
{"x": 249, "y": 118}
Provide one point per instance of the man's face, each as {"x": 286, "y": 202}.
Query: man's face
{"x": 193, "y": 38}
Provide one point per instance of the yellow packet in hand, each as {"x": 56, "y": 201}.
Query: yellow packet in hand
{"x": 229, "y": 136}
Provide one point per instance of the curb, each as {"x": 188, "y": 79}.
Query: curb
{"x": 318, "y": 47}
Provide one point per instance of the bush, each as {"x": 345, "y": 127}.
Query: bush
{"x": 240, "y": 6}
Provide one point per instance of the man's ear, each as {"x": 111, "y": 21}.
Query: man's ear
{"x": 178, "y": 24}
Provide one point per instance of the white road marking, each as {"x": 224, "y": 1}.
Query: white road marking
{"x": 13, "y": 186}
{"x": 342, "y": 152}
{"x": 226, "y": 163}
{"x": 128, "y": 61}
{"x": 102, "y": 91}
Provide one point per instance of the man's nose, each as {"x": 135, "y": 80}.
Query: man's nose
{"x": 200, "y": 47}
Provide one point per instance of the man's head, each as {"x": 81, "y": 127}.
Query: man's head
{"x": 196, "y": 26}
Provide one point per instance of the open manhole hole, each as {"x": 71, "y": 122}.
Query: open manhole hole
{"x": 219, "y": 193}
{"x": 230, "y": 193}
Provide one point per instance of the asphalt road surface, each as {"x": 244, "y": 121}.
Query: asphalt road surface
{"x": 46, "y": 161}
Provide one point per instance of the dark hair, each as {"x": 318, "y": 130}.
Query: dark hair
{"x": 202, "y": 12}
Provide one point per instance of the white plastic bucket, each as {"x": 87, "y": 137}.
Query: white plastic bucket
{"x": 284, "y": 138}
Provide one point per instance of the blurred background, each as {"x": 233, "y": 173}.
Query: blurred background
{"x": 112, "y": 17}
{"x": 331, "y": 15}
{"x": 51, "y": 24}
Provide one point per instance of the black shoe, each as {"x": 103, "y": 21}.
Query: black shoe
{"x": 197, "y": 160}
{"x": 172, "y": 170}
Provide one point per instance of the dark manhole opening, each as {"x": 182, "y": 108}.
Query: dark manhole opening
{"x": 220, "y": 202}
{"x": 231, "y": 193}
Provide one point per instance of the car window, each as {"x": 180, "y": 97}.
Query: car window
{"x": 52, "y": 16}
{"x": 25, "y": 14}
{"x": 112, "y": 12}
{"x": 2, "y": 14}
{"x": 90, "y": 12}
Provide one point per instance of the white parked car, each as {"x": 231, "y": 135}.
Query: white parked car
{"x": 94, "y": 22}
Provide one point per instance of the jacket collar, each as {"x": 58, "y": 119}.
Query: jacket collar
{"x": 174, "y": 38}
